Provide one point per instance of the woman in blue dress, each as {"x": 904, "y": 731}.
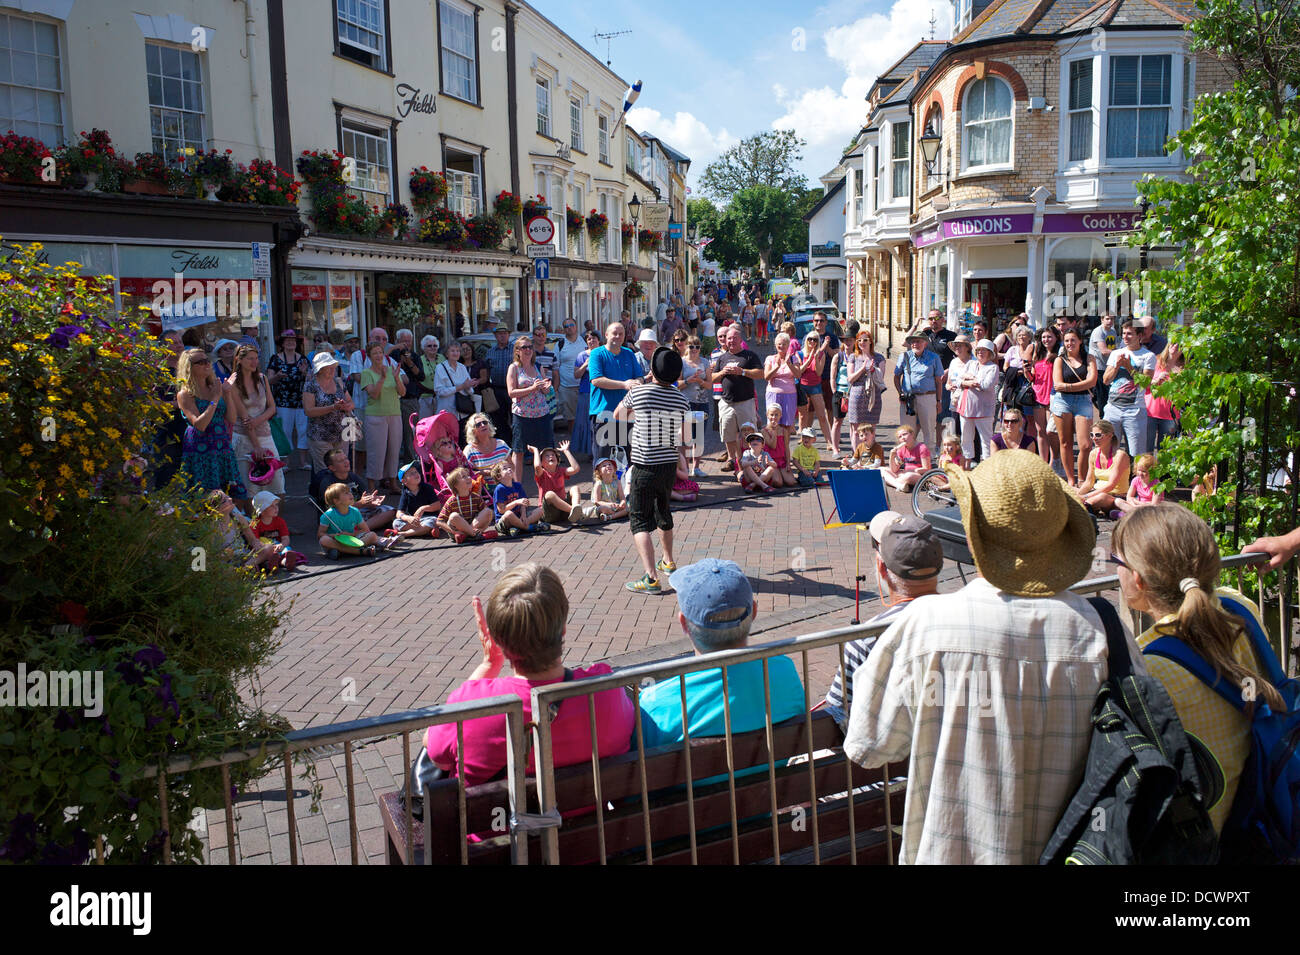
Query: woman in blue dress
{"x": 580, "y": 442}
{"x": 206, "y": 453}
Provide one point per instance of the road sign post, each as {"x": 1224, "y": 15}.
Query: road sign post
{"x": 541, "y": 269}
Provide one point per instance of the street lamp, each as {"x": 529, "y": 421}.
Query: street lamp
{"x": 634, "y": 208}
{"x": 930, "y": 143}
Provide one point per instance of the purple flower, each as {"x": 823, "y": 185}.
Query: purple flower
{"x": 151, "y": 656}
{"x": 108, "y": 728}
{"x": 131, "y": 801}
{"x": 164, "y": 693}
{"x": 75, "y": 854}
{"x": 64, "y": 721}
{"x": 21, "y": 844}
{"x": 130, "y": 675}
{"x": 62, "y": 336}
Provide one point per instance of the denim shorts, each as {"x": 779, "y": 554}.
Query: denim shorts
{"x": 1078, "y": 403}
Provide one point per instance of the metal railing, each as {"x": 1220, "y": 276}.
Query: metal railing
{"x": 546, "y": 700}
{"x": 302, "y": 742}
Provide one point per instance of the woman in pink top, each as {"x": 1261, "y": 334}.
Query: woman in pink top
{"x": 1163, "y": 415}
{"x": 778, "y": 369}
{"x": 1040, "y": 373}
{"x": 525, "y": 623}
{"x": 809, "y": 364}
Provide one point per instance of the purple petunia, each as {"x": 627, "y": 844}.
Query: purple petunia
{"x": 62, "y": 336}
{"x": 151, "y": 656}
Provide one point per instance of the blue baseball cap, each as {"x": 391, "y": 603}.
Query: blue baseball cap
{"x": 710, "y": 587}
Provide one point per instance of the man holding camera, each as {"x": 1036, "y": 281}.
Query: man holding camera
{"x": 919, "y": 376}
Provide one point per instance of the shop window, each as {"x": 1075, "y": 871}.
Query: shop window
{"x": 31, "y": 79}
{"x": 176, "y": 110}
{"x": 459, "y": 45}
{"x": 988, "y": 125}
{"x": 370, "y": 149}
{"x": 361, "y": 31}
{"x": 1138, "y": 107}
{"x": 1072, "y": 277}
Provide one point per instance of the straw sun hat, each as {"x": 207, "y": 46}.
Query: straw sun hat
{"x": 1029, "y": 535}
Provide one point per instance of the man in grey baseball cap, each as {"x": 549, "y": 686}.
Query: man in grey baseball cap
{"x": 909, "y": 558}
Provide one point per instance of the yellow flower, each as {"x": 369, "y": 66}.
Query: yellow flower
{"x": 112, "y": 433}
{"x": 87, "y": 467}
{"x": 20, "y": 347}
{"x": 25, "y": 449}
{"x": 65, "y": 471}
{"x": 83, "y": 339}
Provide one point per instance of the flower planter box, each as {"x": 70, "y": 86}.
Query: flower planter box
{"x": 147, "y": 187}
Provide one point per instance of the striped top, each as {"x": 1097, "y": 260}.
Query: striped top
{"x": 483, "y": 463}
{"x": 659, "y": 414}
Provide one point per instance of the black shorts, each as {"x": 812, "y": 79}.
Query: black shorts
{"x": 648, "y": 497}
{"x": 802, "y": 396}
{"x": 837, "y": 405}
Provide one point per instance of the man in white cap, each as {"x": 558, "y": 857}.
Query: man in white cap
{"x": 989, "y": 691}
{"x": 909, "y": 558}
{"x": 646, "y": 343}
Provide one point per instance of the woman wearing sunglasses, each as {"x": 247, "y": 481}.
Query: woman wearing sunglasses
{"x": 694, "y": 384}
{"x": 531, "y": 419}
{"x": 1012, "y": 434}
{"x": 1108, "y": 472}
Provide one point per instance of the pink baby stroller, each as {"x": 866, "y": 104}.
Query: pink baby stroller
{"x": 427, "y": 432}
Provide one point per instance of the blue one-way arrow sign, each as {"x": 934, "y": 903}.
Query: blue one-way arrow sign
{"x": 541, "y": 269}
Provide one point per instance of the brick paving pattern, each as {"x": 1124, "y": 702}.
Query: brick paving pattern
{"x": 370, "y": 638}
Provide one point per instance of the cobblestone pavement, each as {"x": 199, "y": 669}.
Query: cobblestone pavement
{"x": 367, "y": 639}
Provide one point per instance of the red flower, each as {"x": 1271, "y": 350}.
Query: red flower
{"x": 73, "y": 613}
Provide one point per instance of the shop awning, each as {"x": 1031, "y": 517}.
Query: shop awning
{"x": 381, "y": 255}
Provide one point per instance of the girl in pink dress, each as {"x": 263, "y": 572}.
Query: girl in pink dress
{"x": 907, "y": 462}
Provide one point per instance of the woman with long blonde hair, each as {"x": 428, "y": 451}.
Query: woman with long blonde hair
{"x": 206, "y": 453}
{"x": 1168, "y": 566}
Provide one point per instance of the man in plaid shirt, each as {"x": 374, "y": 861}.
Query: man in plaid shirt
{"x": 987, "y": 693}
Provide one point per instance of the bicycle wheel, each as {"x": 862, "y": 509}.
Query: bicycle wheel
{"x": 931, "y": 493}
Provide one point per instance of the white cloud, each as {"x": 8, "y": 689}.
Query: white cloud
{"x": 685, "y": 133}
{"x": 864, "y": 48}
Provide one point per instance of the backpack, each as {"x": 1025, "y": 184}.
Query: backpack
{"x": 1142, "y": 799}
{"x": 1264, "y": 824}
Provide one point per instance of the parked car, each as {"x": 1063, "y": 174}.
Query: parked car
{"x": 803, "y": 320}
{"x": 485, "y": 340}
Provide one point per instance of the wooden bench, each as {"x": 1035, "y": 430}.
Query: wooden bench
{"x": 669, "y": 810}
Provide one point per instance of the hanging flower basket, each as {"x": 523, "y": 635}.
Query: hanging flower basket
{"x": 487, "y": 232}
{"x": 428, "y": 188}
{"x": 444, "y": 227}
{"x": 597, "y": 225}
{"x": 634, "y": 289}
{"x": 574, "y": 218}
{"x": 648, "y": 240}
{"x": 507, "y": 204}
{"x": 321, "y": 166}
{"x": 628, "y": 231}
{"x": 534, "y": 207}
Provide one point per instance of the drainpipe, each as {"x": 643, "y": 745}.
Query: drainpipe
{"x": 250, "y": 34}
{"x": 512, "y": 124}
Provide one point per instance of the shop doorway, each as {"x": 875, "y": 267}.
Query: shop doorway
{"x": 999, "y": 301}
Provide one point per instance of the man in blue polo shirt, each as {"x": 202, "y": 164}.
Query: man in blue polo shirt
{"x": 613, "y": 370}
{"x": 716, "y": 609}
{"x": 919, "y": 375}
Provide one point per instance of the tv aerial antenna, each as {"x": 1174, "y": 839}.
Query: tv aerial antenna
{"x": 608, "y": 37}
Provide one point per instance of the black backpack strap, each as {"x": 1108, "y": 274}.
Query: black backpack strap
{"x": 1119, "y": 663}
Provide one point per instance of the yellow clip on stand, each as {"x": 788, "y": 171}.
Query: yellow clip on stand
{"x": 859, "y": 496}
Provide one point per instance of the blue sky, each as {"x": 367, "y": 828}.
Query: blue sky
{"x": 716, "y": 72}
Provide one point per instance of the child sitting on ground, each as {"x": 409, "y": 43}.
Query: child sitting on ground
{"x": 807, "y": 462}
{"x": 606, "y": 493}
{"x": 684, "y": 489}
{"x": 242, "y": 545}
{"x": 466, "y": 514}
{"x": 417, "y": 508}
{"x": 555, "y": 502}
{"x": 952, "y": 452}
{"x": 758, "y": 472}
{"x": 776, "y": 444}
{"x": 270, "y": 528}
{"x": 907, "y": 462}
{"x": 510, "y": 503}
{"x": 342, "y": 518}
{"x": 1141, "y": 489}
{"x": 867, "y": 452}
{"x": 525, "y": 624}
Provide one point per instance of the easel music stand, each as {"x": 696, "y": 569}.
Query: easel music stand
{"x": 859, "y": 495}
